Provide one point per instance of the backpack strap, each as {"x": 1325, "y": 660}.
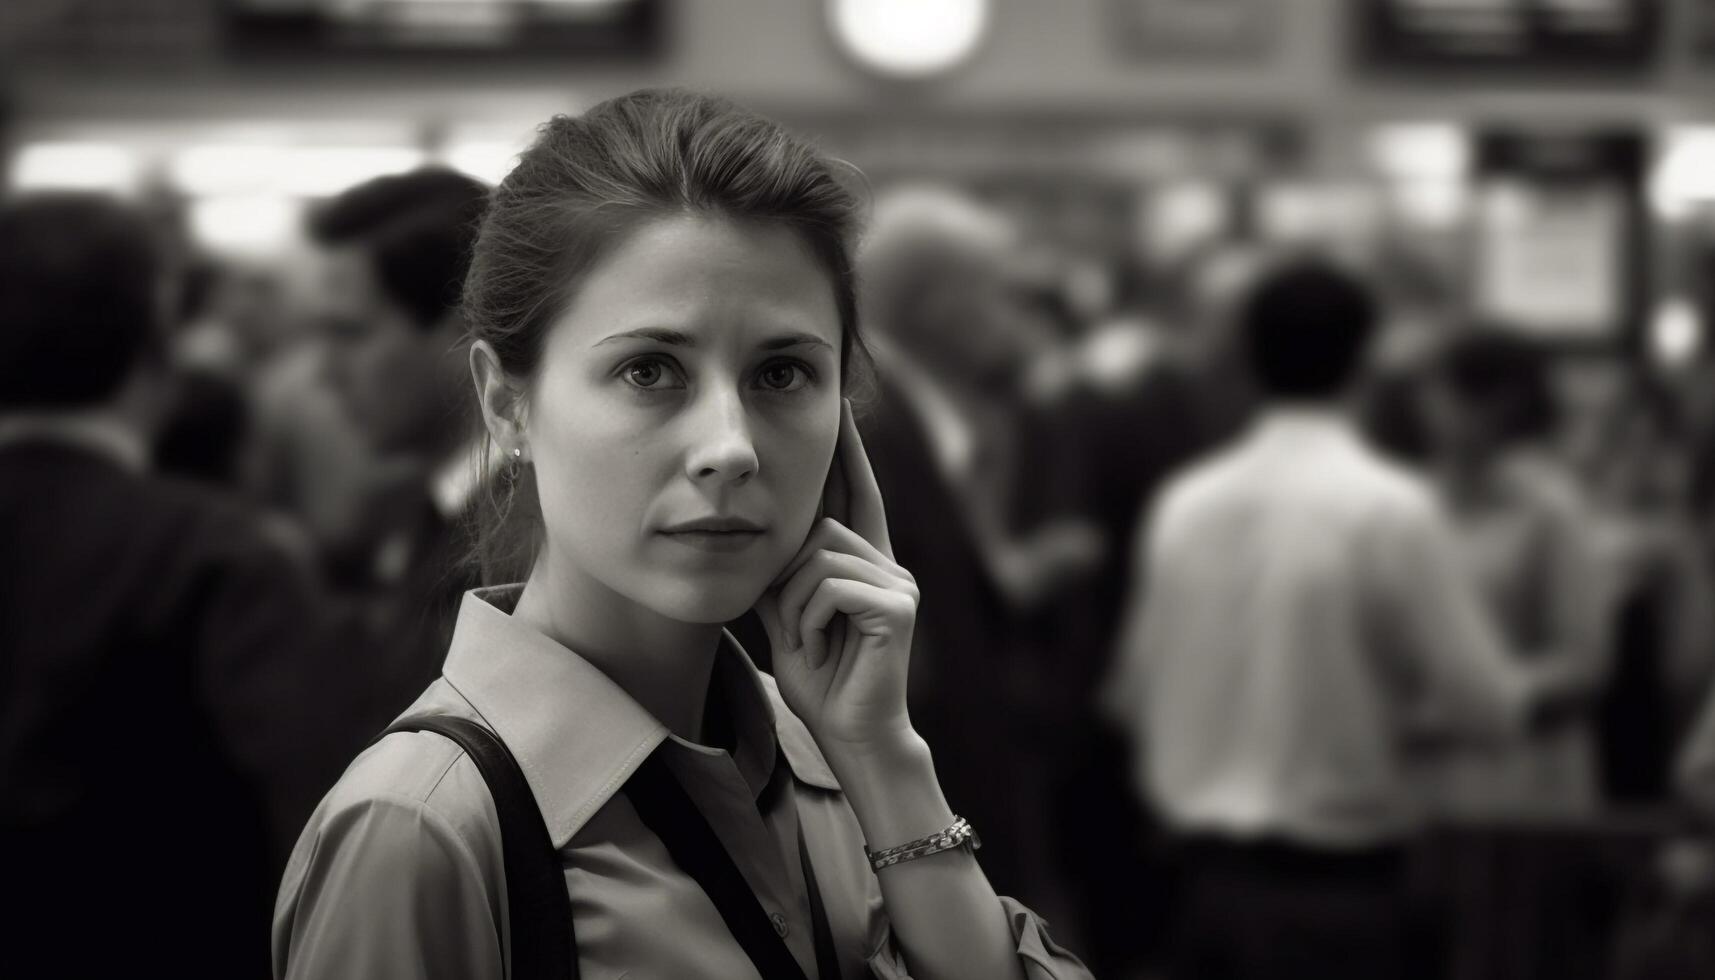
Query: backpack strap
{"x": 539, "y": 909}
{"x": 666, "y": 809}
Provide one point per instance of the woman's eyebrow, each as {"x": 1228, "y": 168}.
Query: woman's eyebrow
{"x": 794, "y": 340}
{"x": 660, "y": 335}
{"x": 676, "y": 338}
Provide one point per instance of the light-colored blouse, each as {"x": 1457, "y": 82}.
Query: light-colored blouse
{"x": 399, "y": 872}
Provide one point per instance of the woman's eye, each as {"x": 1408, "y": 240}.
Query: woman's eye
{"x": 649, "y": 374}
{"x": 780, "y": 376}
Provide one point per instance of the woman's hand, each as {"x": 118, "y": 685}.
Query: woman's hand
{"x": 840, "y": 617}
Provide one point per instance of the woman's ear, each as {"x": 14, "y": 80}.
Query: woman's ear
{"x": 501, "y": 399}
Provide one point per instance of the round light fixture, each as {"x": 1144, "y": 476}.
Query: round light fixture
{"x": 909, "y": 38}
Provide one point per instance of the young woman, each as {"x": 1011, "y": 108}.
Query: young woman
{"x": 663, "y": 323}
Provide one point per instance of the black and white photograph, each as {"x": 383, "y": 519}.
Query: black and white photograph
{"x": 857, "y": 489}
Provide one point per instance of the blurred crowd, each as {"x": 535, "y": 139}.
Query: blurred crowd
{"x": 1267, "y": 593}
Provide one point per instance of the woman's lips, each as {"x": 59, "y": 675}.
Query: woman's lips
{"x": 723, "y": 542}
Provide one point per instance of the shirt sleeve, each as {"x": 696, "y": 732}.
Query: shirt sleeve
{"x": 1434, "y": 630}
{"x": 1041, "y": 957}
{"x": 385, "y": 889}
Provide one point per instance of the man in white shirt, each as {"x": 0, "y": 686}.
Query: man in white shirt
{"x": 1301, "y": 615}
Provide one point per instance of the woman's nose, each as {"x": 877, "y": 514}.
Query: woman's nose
{"x": 721, "y": 446}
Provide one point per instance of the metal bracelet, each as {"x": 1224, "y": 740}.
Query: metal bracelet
{"x": 960, "y": 834}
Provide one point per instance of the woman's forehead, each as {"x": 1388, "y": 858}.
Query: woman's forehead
{"x": 707, "y": 279}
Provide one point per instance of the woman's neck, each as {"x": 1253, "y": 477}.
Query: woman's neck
{"x": 666, "y": 665}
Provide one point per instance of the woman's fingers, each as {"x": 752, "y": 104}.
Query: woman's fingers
{"x": 867, "y": 515}
{"x": 825, "y": 564}
{"x": 831, "y": 535}
{"x": 836, "y": 500}
{"x": 869, "y": 608}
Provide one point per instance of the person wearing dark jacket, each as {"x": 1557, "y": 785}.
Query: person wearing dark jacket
{"x": 166, "y": 711}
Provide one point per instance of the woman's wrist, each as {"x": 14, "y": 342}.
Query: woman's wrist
{"x": 893, "y": 746}
{"x": 892, "y": 788}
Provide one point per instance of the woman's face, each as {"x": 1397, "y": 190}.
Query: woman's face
{"x": 685, "y": 414}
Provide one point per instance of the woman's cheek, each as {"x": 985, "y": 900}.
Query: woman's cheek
{"x": 814, "y": 458}
{"x": 590, "y": 467}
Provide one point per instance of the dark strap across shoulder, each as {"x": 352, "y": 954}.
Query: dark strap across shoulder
{"x": 539, "y": 909}
{"x": 544, "y": 946}
{"x": 667, "y": 810}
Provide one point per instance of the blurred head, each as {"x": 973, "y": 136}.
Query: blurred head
{"x": 249, "y": 300}
{"x": 1305, "y": 327}
{"x": 83, "y": 300}
{"x": 1489, "y": 390}
{"x": 936, "y": 284}
{"x": 395, "y": 252}
{"x": 663, "y": 314}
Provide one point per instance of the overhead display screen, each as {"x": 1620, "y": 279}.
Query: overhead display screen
{"x": 1560, "y": 247}
{"x": 595, "y": 27}
{"x": 1510, "y": 34}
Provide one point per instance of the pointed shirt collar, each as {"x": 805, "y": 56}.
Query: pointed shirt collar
{"x": 578, "y": 736}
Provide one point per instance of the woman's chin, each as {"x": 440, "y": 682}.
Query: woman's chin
{"x": 708, "y": 602}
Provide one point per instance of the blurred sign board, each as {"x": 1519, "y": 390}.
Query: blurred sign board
{"x": 1550, "y": 259}
{"x": 1204, "y": 29}
{"x": 1510, "y": 34}
{"x": 191, "y": 30}
{"x": 54, "y": 30}
{"x": 584, "y": 27}
{"x": 1559, "y": 249}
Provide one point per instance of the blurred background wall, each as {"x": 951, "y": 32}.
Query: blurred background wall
{"x": 1292, "y": 118}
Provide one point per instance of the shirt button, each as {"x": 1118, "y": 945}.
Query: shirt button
{"x": 780, "y": 926}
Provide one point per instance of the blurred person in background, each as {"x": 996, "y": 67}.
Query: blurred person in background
{"x": 310, "y": 459}
{"x": 165, "y": 688}
{"x": 1527, "y": 536}
{"x": 1663, "y": 631}
{"x": 255, "y": 412}
{"x": 1419, "y": 310}
{"x": 957, "y": 335}
{"x": 233, "y": 314}
{"x": 1119, "y": 419}
{"x": 394, "y": 255}
{"x": 1524, "y": 528}
{"x": 209, "y": 433}
{"x": 952, "y": 343}
{"x": 1303, "y": 610}
{"x": 206, "y": 435}
{"x": 1205, "y": 297}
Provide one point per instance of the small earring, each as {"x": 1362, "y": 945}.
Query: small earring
{"x": 517, "y": 453}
